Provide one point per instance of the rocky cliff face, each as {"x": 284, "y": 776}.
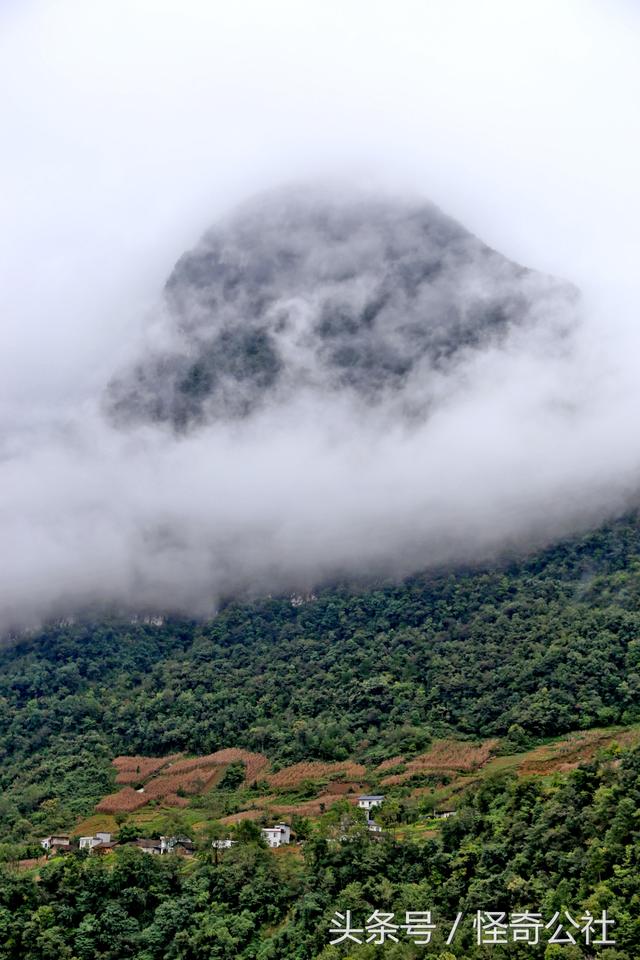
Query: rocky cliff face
{"x": 330, "y": 290}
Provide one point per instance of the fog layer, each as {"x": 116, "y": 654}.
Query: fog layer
{"x": 133, "y": 128}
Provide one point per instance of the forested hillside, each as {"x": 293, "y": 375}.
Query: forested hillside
{"x": 519, "y": 653}
{"x": 527, "y": 650}
{"x": 569, "y": 847}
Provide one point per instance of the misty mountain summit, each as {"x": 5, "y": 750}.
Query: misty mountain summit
{"x": 333, "y": 291}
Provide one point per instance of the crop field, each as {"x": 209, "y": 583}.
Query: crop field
{"x": 242, "y": 815}
{"x": 255, "y": 763}
{"x": 138, "y": 769}
{"x": 124, "y": 801}
{"x": 196, "y": 780}
{"x": 310, "y": 808}
{"x": 390, "y": 764}
{"x": 172, "y": 779}
{"x": 445, "y": 756}
{"x": 187, "y": 785}
{"x": 568, "y": 753}
{"x": 294, "y": 776}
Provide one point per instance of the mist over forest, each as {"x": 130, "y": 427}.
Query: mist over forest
{"x": 236, "y": 363}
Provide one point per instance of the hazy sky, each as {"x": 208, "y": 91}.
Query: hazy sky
{"x": 128, "y": 127}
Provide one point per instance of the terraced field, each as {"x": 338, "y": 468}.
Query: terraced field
{"x": 192, "y": 787}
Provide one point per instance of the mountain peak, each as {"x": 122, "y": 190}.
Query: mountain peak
{"x": 329, "y": 289}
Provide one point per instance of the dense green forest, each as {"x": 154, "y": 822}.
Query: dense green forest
{"x": 526, "y": 650}
{"x": 515, "y": 845}
{"x": 547, "y": 644}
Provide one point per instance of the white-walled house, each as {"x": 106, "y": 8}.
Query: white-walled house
{"x": 369, "y": 801}
{"x": 57, "y": 841}
{"x": 87, "y": 843}
{"x": 224, "y": 844}
{"x": 278, "y": 835}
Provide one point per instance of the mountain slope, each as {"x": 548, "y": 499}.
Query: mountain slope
{"x": 549, "y": 644}
{"x": 329, "y": 290}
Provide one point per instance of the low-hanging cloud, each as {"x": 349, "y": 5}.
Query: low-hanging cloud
{"x": 517, "y": 440}
{"x": 514, "y": 441}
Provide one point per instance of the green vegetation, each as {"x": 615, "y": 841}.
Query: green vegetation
{"x": 569, "y": 844}
{"x": 532, "y": 650}
{"x": 524, "y": 652}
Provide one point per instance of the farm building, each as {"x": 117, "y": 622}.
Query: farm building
{"x": 57, "y": 841}
{"x": 182, "y": 846}
{"x": 88, "y": 843}
{"x": 149, "y": 846}
{"x": 278, "y": 835}
{"x": 369, "y": 801}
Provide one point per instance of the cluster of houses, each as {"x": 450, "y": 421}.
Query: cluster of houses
{"x": 102, "y": 843}
{"x": 280, "y": 834}
{"x": 369, "y": 802}
{"x": 276, "y": 836}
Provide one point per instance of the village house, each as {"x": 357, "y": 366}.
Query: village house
{"x": 278, "y": 835}
{"x": 107, "y": 846}
{"x": 99, "y": 839}
{"x": 373, "y": 826}
{"x": 368, "y": 802}
{"x": 57, "y": 841}
{"x": 182, "y": 846}
{"x": 149, "y": 846}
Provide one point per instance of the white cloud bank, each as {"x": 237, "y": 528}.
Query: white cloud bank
{"x": 129, "y": 127}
